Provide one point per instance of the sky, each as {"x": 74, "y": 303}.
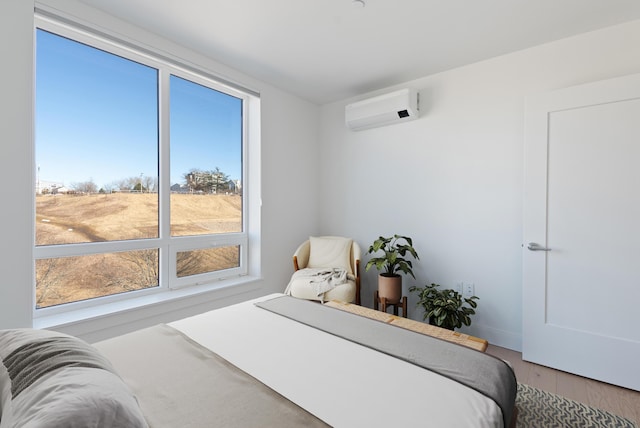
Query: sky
{"x": 97, "y": 119}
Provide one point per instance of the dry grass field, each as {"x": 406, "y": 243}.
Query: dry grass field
{"x": 63, "y": 219}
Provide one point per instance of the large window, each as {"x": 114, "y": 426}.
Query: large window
{"x": 139, "y": 172}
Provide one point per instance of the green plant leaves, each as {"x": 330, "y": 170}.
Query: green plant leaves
{"x": 445, "y": 308}
{"x": 393, "y": 260}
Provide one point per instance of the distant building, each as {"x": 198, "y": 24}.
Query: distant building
{"x": 234, "y": 186}
{"x": 180, "y": 188}
{"x": 60, "y": 190}
{"x": 50, "y": 187}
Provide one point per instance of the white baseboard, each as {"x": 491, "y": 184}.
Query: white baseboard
{"x": 502, "y": 338}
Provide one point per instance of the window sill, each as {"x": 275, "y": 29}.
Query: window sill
{"x": 178, "y": 298}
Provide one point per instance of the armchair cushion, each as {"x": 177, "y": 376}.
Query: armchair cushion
{"x": 330, "y": 252}
{"x": 301, "y": 289}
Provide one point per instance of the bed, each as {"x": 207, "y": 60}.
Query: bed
{"x": 286, "y": 362}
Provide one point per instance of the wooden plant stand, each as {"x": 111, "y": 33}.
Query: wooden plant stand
{"x": 384, "y": 304}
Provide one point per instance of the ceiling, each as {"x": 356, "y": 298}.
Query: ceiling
{"x": 329, "y": 50}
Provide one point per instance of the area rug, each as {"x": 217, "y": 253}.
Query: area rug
{"x": 541, "y": 409}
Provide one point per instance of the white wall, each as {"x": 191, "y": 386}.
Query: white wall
{"x": 453, "y": 179}
{"x": 289, "y": 178}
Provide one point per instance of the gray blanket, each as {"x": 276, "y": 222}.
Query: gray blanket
{"x": 482, "y": 372}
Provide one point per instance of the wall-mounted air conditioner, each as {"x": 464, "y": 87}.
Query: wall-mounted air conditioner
{"x": 395, "y": 107}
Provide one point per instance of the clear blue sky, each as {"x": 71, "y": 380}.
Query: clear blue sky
{"x": 96, "y": 118}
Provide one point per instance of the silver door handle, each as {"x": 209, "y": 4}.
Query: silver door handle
{"x": 536, "y": 247}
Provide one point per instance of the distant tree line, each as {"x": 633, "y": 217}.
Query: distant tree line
{"x": 141, "y": 184}
{"x": 196, "y": 181}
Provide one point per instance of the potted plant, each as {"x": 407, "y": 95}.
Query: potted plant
{"x": 395, "y": 249}
{"x": 445, "y": 308}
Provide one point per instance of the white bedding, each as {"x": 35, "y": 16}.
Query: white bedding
{"x": 342, "y": 383}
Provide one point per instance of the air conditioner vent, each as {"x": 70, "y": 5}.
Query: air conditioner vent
{"x": 395, "y": 107}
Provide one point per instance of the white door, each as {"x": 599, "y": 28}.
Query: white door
{"x": 581, "y": 298}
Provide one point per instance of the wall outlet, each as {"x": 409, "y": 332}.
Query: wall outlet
{"x": 460, "y": 287}
{"x": 468, "y": 289}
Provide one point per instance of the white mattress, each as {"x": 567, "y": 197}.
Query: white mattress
{"x": 342, "y": 383}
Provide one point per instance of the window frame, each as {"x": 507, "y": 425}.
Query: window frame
{"x": 167, "y": 245}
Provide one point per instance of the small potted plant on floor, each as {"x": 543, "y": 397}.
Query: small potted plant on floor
{"x": 392, "y": 261}
{"x": 445, "y": 308}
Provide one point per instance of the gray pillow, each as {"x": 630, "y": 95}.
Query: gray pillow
{"x": 52, "y": 380}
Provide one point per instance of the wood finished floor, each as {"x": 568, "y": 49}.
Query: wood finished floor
{"x": 621, "y": 401}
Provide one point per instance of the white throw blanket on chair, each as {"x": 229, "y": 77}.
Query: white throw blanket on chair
{"x": 321, "y": 279}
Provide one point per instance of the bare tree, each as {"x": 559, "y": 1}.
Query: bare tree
{"x": 85, "y": 186}
{"x": 146, "y": 272}
{"x": 107, "y": 188}
{"x": 49, "y": 274}
{"x": 118, "y": 184}
{"x": 150, "y": 183}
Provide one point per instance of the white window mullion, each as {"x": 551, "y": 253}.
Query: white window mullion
{"x": 165, "y": 185}
{"x": 81, "y": 249}
{"x": 246, "y": 187}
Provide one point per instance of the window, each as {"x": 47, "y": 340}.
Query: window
{"x": 140, "y": 173}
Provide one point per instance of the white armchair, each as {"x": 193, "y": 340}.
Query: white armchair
{"x": 328, "y": 252}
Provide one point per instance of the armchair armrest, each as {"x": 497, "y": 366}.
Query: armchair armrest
{"x": 301, "y": 256}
